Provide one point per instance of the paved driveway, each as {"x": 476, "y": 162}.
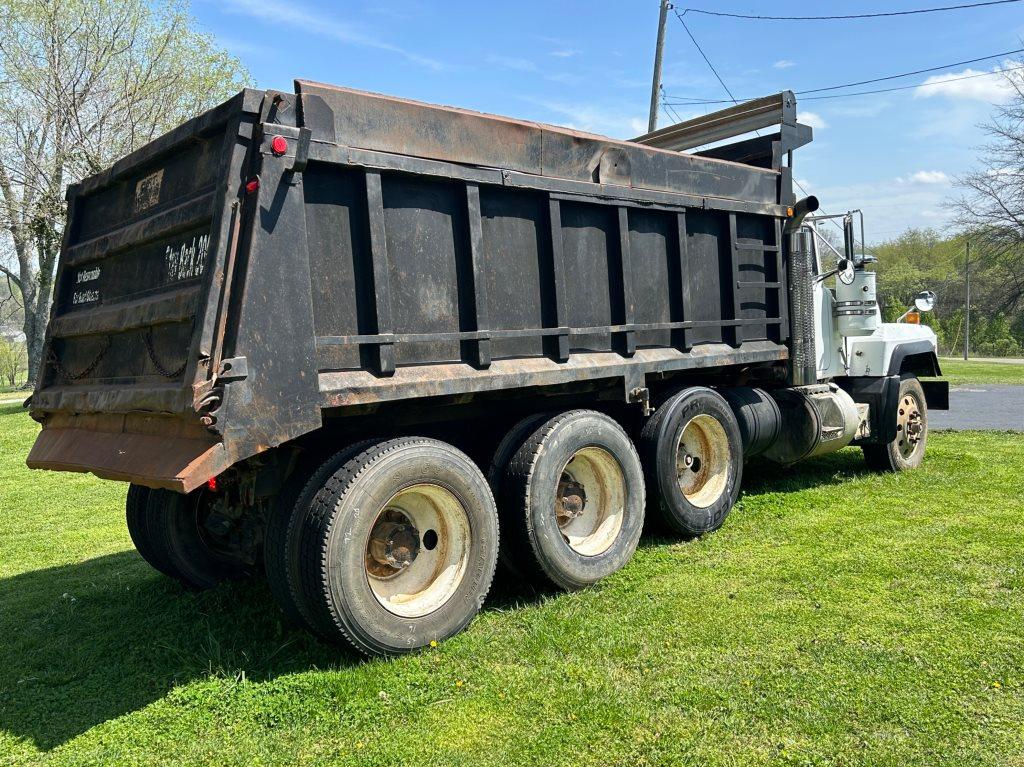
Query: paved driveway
{"x": 981, "y": 406}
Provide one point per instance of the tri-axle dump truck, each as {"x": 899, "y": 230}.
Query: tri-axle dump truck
{"x": 346, "y": 340}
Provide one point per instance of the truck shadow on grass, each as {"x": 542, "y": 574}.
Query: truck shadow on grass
{"x": 88, "y": 642}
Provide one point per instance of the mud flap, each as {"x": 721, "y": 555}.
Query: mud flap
{"x": 936, "y": 394}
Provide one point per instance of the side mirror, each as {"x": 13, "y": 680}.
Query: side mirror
{"x": 925, "y": 301}
{"x": 845, "y": 271}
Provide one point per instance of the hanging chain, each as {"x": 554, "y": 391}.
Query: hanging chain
{"x": 57, "y": 365}
{"x": 147, "y": 337}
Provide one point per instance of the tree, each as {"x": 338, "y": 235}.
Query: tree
{"x": 991, "y": 210}
{"x": 13, "y": 361}
{"x": 83, "y": 82}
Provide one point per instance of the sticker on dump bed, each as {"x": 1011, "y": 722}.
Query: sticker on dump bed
{"x": 147, "y": 190}
{"x": 87, "y": 275}
{"x": 186, "y": 259}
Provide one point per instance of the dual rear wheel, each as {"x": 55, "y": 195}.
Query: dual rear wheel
{"x": 392, "y": 544}
{"x": 174, "y": 533}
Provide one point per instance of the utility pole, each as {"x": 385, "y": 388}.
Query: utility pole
{"x": 967, "y": 311}
{"x": 652, "y": 120}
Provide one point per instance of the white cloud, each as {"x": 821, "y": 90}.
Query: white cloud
{"x": 890, "y": 205}
{"x": 591, "y": 118}
{"x": 971, "y": 84}
{"x": 784, "y": 64}
{"x": 511, "y": 62}
{"x": 565, "y": 78}
{"x": 926, "y": 177}
{"x": 813, "y": 119}
{"x": 323, "y": 25}
{"x": 565, "y": 53}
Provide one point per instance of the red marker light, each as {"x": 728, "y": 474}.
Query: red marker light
{"x": 211, "y": 484}
{"x": 279, "y": 145}
{"x": 252, "y": 186}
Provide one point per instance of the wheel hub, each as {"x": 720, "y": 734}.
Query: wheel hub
{"x": 394, "y": 542}
{"x": 417, "y": 550}
{"x": 910, "y": 428}
{"x": 589, "y": 501}
{"x": 572, "y": 499}
{"x": 703, "y": 461}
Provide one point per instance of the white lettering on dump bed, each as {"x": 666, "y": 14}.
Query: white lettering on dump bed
{"x": 87, "y": 275}
{"x": 187, "y": 259}
{"x": 85, "y": 297}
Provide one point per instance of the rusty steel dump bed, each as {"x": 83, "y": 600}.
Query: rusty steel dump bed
{"x": 393, "y": 252}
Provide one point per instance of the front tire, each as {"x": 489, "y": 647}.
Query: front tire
{"x": 399, "y": 546}
{"x": 906, "y": 451}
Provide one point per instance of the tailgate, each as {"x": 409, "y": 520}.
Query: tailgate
{"x": 136, "y": 298}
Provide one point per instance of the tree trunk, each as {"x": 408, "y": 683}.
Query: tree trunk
{"x": 35, "y": 332}
{"x": 40, "y": 308}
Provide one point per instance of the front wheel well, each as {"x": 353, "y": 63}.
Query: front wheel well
{"x": 923, "y": 364}
{"x": 916, "y": 358}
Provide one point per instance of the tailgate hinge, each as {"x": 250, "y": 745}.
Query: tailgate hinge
{"x": 233, "y": 369}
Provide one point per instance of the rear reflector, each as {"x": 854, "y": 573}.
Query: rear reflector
{"x": 279, "y": 145}
{"x": 252, "y": 186}
{"x": 211, "y": 484}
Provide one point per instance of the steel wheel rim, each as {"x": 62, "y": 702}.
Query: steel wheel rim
{"x": 590, "y": 502}
{"x": 703, "y": 461}
{"x": 417, "y": 550}
{"x": 910, "y": 429}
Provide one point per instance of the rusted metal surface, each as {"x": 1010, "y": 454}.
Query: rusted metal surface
{"x": 176, "y": 461}
{"x": 361, "y": 388}
{"x": 391, "y": 250}
{"x": 401, "y": 126}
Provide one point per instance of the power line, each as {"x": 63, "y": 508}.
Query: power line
{"x": 726, "y": 87}
{"x": 920, "y": 85}
{"x": 670, "y": 111}
{"x": 848, "y": 17}
{"x": 704, "y": 55}
{"x": 915, "y": 72}
{"x": 895, "y": 77}
{"x": 683, "y": 101}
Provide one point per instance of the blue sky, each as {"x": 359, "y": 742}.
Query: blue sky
{"x": 588, "y": 65}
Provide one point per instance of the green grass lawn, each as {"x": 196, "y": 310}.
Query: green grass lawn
{"x": 960, "y": 373}
{"x": 838, "y": 618}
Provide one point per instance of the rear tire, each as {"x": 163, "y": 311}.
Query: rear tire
{"x": 175, "y": 524}
{"x": 693, "y": 458}
{"x": 399, "y": 546}
{"x": 574, "y": 498}
{"x": 906, "y": 451}
{"x": 138, "y": 520}
{"x": 510, "y": 514}
{"x": 283, "y": 537}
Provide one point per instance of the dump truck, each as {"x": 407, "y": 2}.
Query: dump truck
{"x": 373, "y": 348}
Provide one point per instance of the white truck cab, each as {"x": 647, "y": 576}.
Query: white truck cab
{"x": 851, "y": 339}
{"x": 856, "y": 378}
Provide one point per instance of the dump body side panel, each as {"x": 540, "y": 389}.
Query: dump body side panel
{"x": 457, "y": 253}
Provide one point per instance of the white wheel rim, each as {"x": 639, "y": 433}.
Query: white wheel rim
{"x": 703, "y": 461}
{"x": 910, "y": 429}
{"x": 417, "y": 550}
{"x": 590, "y": 502}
